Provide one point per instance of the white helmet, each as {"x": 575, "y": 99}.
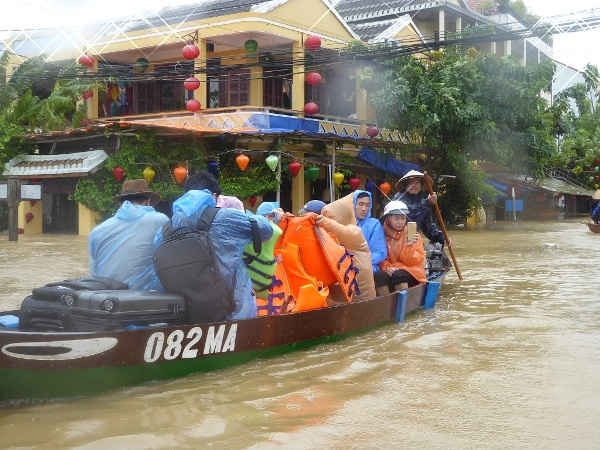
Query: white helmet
{"x": 395, "y": 207}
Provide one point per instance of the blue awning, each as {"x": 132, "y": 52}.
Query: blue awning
{"x": 501, "y": 187}
{"x": 386, "y": 162}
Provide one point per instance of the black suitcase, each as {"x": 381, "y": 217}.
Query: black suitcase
{"x": 100, "y": 310}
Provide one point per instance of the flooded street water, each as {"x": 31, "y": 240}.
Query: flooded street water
{"x": 509, "y": 358}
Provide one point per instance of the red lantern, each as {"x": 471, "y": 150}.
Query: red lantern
{"x": 313, "y": 78}
{"x": 242, "y": 161}
{"x": 252, "y": 200}
{"x": 294, "y": 168}
{"x": 191, "y": 83}
{"x": 312, "y": 42}
{"x": 354, "y": 183}
{"x": 385, "y": 187}
{"x": 190, "y": 51}
{"x": 192, "y": 105}
{"x": 372, "y": 131}
{"x": 86, "y": 60}
{"x": 180, "y": 173}
{"x": 311, "y": 108}
{"x": 87, "y": 94}
{"x": 118, "y": 173}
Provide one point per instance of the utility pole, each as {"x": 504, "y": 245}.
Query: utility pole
{"x": 13, "y": 197}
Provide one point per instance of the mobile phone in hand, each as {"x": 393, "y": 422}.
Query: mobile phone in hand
{"x": 411, "y": 230}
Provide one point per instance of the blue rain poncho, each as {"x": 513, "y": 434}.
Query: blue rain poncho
{"x": 373, "y": 233}
{"x": 122, "y": 247}
{"x": 230, "y": 232}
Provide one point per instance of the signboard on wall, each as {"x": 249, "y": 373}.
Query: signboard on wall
{"x": 31, "y": 192}
{"x": 3, "y": 191}
{"x": 508, "y": 205}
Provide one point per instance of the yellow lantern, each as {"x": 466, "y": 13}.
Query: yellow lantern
{"x": 338, "y": 179}
{"x": 149, "y": 174}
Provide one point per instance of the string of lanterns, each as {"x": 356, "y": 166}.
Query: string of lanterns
{"x": 180, "y": 173}
{"x": 191, "y": 51}
{"x": 312, "y": 43}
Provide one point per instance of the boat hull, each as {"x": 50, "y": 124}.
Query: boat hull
{"x": 594, "y": 227}
{"x": 35, "y": 365}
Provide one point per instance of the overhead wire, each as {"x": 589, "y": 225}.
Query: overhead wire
{"x": 280, "y": 61}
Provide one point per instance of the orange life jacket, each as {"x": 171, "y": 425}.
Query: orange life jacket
{"x": 307, "y": 291}
{"x": 313, "y": 257}
{"x": 340, "y": 262}
{"x": 277, "y": 295}
{"x": 301, "y": 232}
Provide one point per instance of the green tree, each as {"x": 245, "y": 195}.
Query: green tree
{"x": 34, "y": 98}
{"x": 469, "y": 109}
{"x": 577, "y": 125}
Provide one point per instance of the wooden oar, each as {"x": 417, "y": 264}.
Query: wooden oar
{"x": 438, "y": 213}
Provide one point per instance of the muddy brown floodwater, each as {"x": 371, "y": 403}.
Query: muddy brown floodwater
{"x": 509, "y": 358}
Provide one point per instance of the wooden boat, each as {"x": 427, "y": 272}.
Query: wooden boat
{"x": 37, "y": 365}
{"x": 594, "y": 227}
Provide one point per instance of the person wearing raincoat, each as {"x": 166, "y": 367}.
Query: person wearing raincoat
{"x": 370, "y": 227}
{"x": 121, "y": 247}
{"x": 405, "y": 262}
{"x": 595, "y": 214}
{"x": 230, "y": 232}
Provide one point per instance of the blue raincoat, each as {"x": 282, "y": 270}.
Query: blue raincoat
{"x": 596, "y": 213}
{"x": 230, "y": 232}
{"x": 121, "y": 247}
{"x": 373, "y": 232}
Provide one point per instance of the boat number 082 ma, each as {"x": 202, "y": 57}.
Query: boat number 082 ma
{"x": 178, "y": 344}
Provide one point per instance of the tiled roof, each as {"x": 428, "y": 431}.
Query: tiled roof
{"x": 369, "y": 18}
{"x": 204, "y": 10}
{"x": 381, "y": 30}
{"x": 48, "y": 40}
{"x": 556, "y": 185}
{"x": 70, "y": 164}
{"x": 367, "y": 10}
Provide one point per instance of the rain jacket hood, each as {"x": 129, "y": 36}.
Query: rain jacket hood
{"x": 188, "y": 208}
{"x": 355, "y": 199}
{"x": 372, "y": 231}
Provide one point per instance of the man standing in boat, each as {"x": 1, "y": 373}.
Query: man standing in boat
{"x": 419, "y": 205}
{"x": 121, "y": 247}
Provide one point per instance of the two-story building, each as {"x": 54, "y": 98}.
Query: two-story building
{"x": 265, "y": 70}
